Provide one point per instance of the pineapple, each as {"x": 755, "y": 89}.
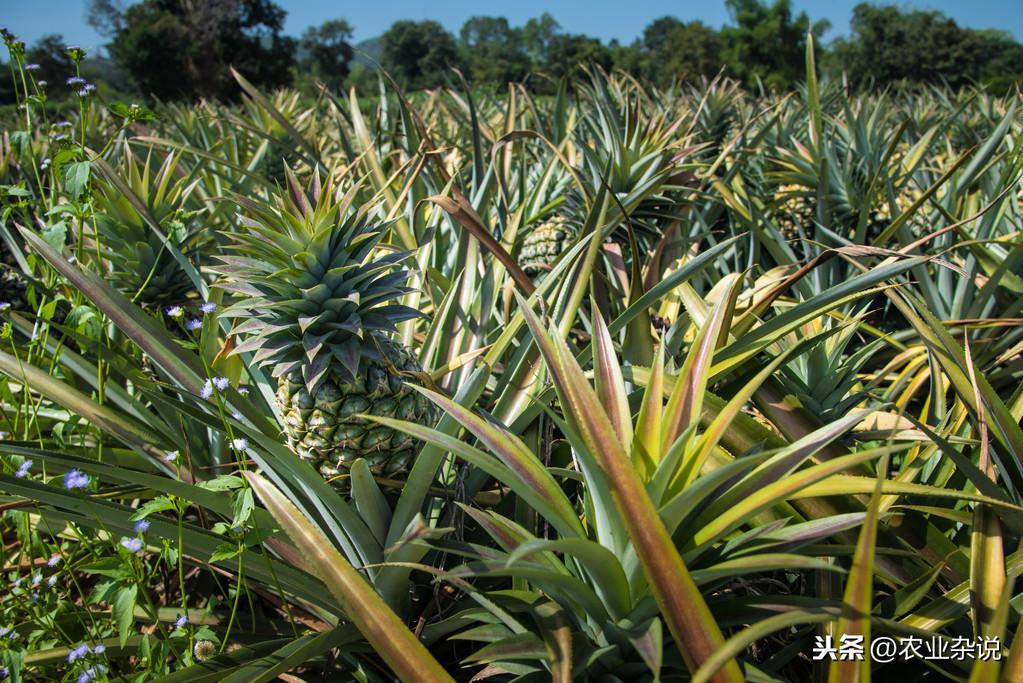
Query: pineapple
{"x": 796, "y": 214}
{"x": 316, "y": 296}
{"x": 544, "y": 244}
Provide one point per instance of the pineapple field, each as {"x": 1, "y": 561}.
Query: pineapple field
{"x": 619, "y": 383}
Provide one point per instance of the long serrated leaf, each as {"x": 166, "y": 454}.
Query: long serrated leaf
{"x": 388, "y": 635}
{"x": 859, "y": 591}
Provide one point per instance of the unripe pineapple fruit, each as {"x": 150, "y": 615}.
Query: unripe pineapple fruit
{"x": 544, "y": 244}
{"x": 323, "y": 428}
{"x": 796, "y": 214}
{"x": 315, "y": 293}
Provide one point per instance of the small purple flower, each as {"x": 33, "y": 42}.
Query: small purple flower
{"x": 99, "y": 649}
{"x": 221, "y": 383}
{"x": 53, "y": 561}
{"x": 244, "y": 391}
{"x": 206, "y": 391}
{"x": 23, "y": 469}
{"x": 141, "y": 526}
{"x": 208, "y": 307}
{"x": 4, "y": 631}
{"x": 170, "y": 456}
{"x": 193, "y": 324}
{"x": 174, "y": 311}
{"x": 37, "y": 578}
{"x": 236, "y": 415}
{"x": 75, "y": 80}
{"x": 51, "y": 581}
{"x": 31, "y": 67}
{"x": 78, "y": 652}
{"x": 132, "y": 544}
{"x": 240, "y": 444}
{"x": 75, "y": 479}
{"x": 4, "y": 673}
{"x": 42, "y": 83}
{"x": 63, "y": 124}
{"x": 86, "y": 676}
{"x": 181, "y": 621}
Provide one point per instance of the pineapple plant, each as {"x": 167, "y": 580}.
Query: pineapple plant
{"x": 848, "y": 170}
{"x": 138, "y": 262}
{"x": 315, "y": 291}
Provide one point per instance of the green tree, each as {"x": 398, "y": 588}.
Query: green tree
{"x": 537, "y": 36}
{"x": 326, "y": 52}
{"x": 179, "y": 49}
{"x": 671, "y": 49}
{"x": 567, "y": 54}
{"x": 887, "y": 44}
{"x": 1002, "y": 62}
{"x": 418, "y": 54}
{"x": 767, "y": 44}
{"x": 493, "y": 51}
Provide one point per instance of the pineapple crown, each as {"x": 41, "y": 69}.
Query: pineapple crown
{"x": 312, "y": 286}
{"x": 141, "y": 265}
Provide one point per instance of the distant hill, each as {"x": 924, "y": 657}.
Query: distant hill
{"x": 371, "y": 48}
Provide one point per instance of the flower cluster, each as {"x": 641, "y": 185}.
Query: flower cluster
{"x": 76, "y": 53}
{"x": 195, "y": 322}
{"x": 91, "y": 674}
{"x": 134, "y": 545}
{"x": 76, "y": 479}
{"x": 220, "y": 383}
{"x": 81, "y": 652}
{"x": 14, "y": 44}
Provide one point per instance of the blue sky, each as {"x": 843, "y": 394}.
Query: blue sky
{"x": 603, "y": 18}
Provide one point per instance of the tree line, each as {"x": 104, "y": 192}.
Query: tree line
{"x": 178, "y": 49}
